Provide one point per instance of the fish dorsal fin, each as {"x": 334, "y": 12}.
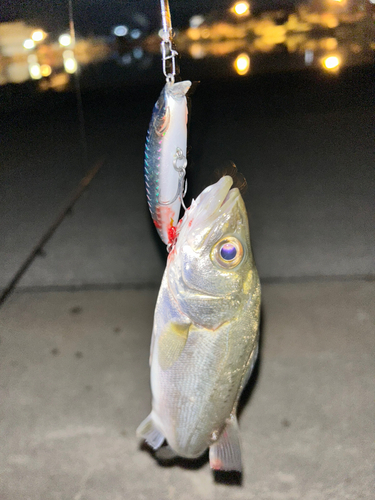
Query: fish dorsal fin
{"x": 225, "y": 454}
{"x": 171, "y": 343}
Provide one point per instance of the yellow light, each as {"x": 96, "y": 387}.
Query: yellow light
{"x": 331, "y": 63}
{"x": 70, "y": 62}
{"x": 35, "y": 73}
{"x": 241, "y": 8}
{"x": 242, "y": 64}
{"x": 29, "y": 44}
{"x": 37, "y": 35}
{"x": 45, "y": 70}
{"x": 197, "y": 51}
{"x": 65, "y": 40}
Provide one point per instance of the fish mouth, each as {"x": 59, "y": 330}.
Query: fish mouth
{"x": 215, "y": 200}
{"x": 178, "y": 90}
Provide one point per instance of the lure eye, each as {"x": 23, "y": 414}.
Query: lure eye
{"x": 228, "y": 252}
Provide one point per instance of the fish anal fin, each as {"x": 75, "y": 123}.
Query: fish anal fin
{"x": 171, "y": 343}
{"x": 225, "y": 454}
{"x": 150, "y": 433}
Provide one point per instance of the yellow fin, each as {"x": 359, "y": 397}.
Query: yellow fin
{"x": 171, "y": 343}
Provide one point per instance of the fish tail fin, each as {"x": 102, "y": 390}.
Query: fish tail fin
{"x": 150, "y": 433}
{"x": 225, "y": 454}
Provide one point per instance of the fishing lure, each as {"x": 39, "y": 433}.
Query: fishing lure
{"x": 165, "y": 150}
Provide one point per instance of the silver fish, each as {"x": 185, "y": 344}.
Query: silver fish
{"x": 205, "y": 335}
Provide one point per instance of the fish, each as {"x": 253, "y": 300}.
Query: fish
{"x": 206, "y": 332}
{"x": 165, "y": 158}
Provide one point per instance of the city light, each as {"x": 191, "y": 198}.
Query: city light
{"x": 37, "y": 35}
{"x": 309, "y": 57}
{"x": 45, "y": 70}
{"x": 120, "y": 30}
{"x": 29, "y": 44}
{"x": 65, "y": 40}
{"x": 138, "y": 53}
{"x": 331, "y": 63}
{"x": 196, "y": 21}
{"x": 135, "y": 34}
{"x": 241, "y": 8}
{"x": 70, "y": 62}
{"x": 34, "y": 70}
{"x": 242, "y": 64}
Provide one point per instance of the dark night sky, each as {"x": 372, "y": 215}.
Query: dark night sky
{"x": 98, "y": 16}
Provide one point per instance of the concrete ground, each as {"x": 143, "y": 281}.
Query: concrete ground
{"x": 74, "y": 376}
{"x": 75, "y": 385}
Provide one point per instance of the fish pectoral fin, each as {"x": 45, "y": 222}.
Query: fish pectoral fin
{"x": 225, "y": 454}
{"x": 171, "y": 343}
{"x": 150, "y": 433}
{"x": 166, "y": 453}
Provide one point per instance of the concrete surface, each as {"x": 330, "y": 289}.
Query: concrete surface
{"x": 75, "y": 385}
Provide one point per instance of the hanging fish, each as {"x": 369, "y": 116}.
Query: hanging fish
{"x": 165, "y": 158}
{"x": 205, "y": 335}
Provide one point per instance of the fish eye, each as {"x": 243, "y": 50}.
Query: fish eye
{"x": 228, "y": 252}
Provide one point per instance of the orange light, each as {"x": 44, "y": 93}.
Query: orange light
{"x": 241, "y": 8}
{"x": 242, "y": 64}
{"x": 331, "y": 63}
{"x": 45, "y": 70}
{"x": 38, "y": 35}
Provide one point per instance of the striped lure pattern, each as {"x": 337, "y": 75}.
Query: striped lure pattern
{"x": 166, "y": 136}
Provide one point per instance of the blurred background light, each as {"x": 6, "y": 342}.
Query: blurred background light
{"x": 241, "y": 8}
{"x": 45, "y": 70}
{"x": 242, "y": 64}
{"x": 126, "y": 59}
{"x": 120, "y": 30}
{"x": 309, "y": 57}
{"x": 135, "y": 34}
{"x": 38, "y": 35}
{"x": 197, "y": 51}
{"x": 331, "y": 63}
{"x": 34, "y": 70}
{"x": 138, "y": 53}
{"x": 29, "y": 44}
{"x": 196, "y": 21}
{"x": 70, "y": 62}
{"x": 65, "y": 40}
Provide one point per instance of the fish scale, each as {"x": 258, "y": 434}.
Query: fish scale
{"x": 205, "y": 335}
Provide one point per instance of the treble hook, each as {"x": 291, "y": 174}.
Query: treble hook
{"x": 181, "y": 188}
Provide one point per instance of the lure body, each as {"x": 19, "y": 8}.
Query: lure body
{"x": 205, "y": 335}
{"x": 165, "y": 155}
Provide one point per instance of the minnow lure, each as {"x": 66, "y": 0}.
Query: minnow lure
{"x": 165, "y": 158}
{"x": 205, "y": 336}
{"x": 165, "y": 151}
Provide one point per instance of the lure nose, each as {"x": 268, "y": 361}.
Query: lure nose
{"x": 179, "y": 89}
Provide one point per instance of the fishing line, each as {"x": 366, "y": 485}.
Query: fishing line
{"x": 78, "y": 92}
